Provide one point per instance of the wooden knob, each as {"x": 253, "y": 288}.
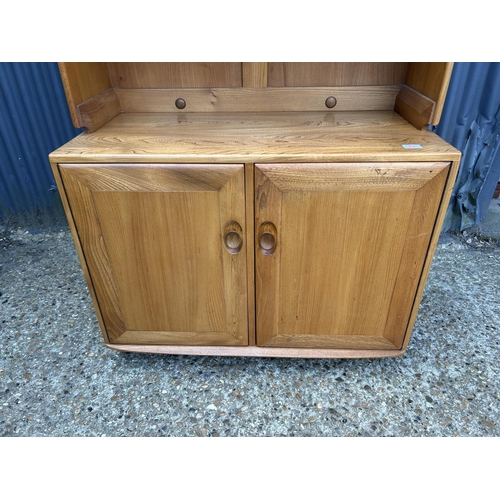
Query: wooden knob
{"x": 180, "y": 103}
{"x": 233, "y": 237}
{"x": 267, "y": 241}
{"x": 233, "y": 241}
{"x": 330, "y": 102}
{"x": 268, "y": 238}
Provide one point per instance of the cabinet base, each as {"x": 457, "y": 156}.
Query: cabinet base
{"x": 260, "y": 352}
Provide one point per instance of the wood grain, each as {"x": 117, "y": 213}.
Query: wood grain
{"x": 156, "y": 246}
{"x": 252, "y": 100}
{"x": 187, "y": 338}
{"x": 150, "y": 194}
{"x": 355, "y": 342}
{"x": 325, "y": 74}
{"x": 90, "y": 237}
{"x": 82, "y": 81}
{"x": 350, "y": 177}
{"x": 420, "y": 227}
{"x": 250, "y": 225}
{"x": 252, "y": 351}
{"x": 151, "y": 178}
{"x": 231, "y": 204}
{"x": 256, "y": 137}
{"x": 414, "y": 107}
{"x": 432, "y": 80}
{"x": 99, "y": 110}
{"x": 152, "y": 237}
{"x": 78, "y": 247}
{"x": 443, "y": 207}
{"x": 254, "y": 74}
{"x": 341, "y": 245}
{"x": 152, "y": 75}
{"x": 268, "y": 201}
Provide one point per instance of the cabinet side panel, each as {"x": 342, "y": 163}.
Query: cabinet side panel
{"x": 82, "y": 81}
{"x": 430, "y": 79}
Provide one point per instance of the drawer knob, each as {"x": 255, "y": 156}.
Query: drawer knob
{"x": 180, "y": 103}
{"x": 233, "y": 237}
{"x": 330, "y": 102}
{"x": 268, "y": 238}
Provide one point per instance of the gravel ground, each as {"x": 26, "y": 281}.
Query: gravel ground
{"x": 58, "y": 379}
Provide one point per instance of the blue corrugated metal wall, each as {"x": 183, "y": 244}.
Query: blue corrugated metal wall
{"x": 471, "y": 123}
{"x": 34, "y": 121}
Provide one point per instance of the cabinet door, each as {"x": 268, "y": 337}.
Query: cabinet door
{"x": 340, "y": 249}
{"x": 165, "y": 251}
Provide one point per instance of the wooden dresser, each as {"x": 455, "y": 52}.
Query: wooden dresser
{"x": 256, "y": 209}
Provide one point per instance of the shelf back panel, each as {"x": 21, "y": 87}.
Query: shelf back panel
{"x": 154, "y": 75}
{"x": 335, "y": 74}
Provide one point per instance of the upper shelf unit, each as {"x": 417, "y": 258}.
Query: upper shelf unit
{"x": 98, "y": 91}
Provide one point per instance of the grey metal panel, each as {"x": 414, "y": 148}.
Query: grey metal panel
{"x": 34, "y": 121}
{"x": 471, "y": 123}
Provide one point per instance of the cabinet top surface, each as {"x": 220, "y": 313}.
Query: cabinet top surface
{"x": 256, "y": 137}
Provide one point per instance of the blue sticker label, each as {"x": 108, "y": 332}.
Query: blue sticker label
{"x": 412, "y": 146}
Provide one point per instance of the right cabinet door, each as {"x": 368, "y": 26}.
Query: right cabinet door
{"x": 340, "y": 249}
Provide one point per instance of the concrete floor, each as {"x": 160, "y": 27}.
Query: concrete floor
{"x": 491, "y": 226}
{"x": 58, "y": 379}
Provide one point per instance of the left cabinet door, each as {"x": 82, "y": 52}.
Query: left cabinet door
{"x": 165, "y": 249}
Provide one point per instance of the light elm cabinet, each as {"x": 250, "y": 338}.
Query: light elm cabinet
{"x": 253, "y": 229}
